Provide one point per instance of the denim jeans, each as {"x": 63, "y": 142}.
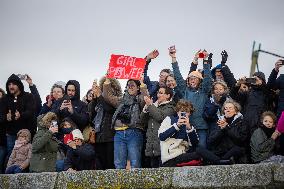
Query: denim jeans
{"x": 202, "y": 134}
{"x": 2, "y": 158}
{"x": 10, "y": 144}
{"x": 128, "y": 145}
{"x": 13, "y": 169}
{"x": 59, "y": 165}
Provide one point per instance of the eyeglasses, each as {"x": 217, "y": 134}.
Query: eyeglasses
{"x": 131, "y": 85}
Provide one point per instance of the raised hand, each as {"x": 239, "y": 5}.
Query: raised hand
{"x": 224, "y": 55}
{"x": 17, "y": 115}
{"x": 9, "y": 116}
{"x": 153, "y": 54}
{"x": 172, "y": 51}
{"x": 148, "y": 100}
{"x": 29, "y": 80}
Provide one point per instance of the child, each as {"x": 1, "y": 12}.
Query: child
{"x": 263, "y": 140}
{"x": 21, "y": 154}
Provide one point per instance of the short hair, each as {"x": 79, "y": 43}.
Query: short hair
{"x": 184, "y": 106}
{"x": 231, "y": 101}
{"x": 270, "y": 114}
{"x": 58, "y": 86}
{"x": 171, "y": 75}
{"x": 168, "y": 91}
{"x": 226, "y": 88}
{"x": 167, "y": 71}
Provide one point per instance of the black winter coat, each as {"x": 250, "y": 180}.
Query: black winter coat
{"x": 82, "y": 158}
{"x": 80, "y": 116}
{"x": 24, "y": 103}
{"x": 221, "y": 141}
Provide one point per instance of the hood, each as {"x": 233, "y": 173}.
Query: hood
{"x": 44, "y": 121}
{"x": 16, "y": 80}
{"x": 77, "y": 88}
{"x": 213, "y": 71}
{"x": 115, "y": 85}
{"x": 25, "y": 132}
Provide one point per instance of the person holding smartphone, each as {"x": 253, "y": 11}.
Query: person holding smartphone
{"x": 178, "y": 137}
{"x": 195, "y": 89}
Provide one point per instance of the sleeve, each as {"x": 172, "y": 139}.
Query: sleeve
{"x": 3, "y": 116}
{"x": 228, "y": 76}
{"x": 193, "y": 67}
{"x": 29, "y": 108}
{"x": 109, "y": 97}
{"x": 37, "y": 98}
{"x": 181, "y": 83}
{"x": 238, "y": 133}
{"x": 215, "y": 136}
{"x": 158, "y": 114}
{"x": 85, "y": 152}
{"x": 41, "y": 138}
{"x": 26, "y": 163}
{"x": 272, "y": 82}
{"x": 167, "y": 130}
{"x": 207, "y": 80}
{"x": 44, "y": 109}
{"x": 210, "y": 110}
{"x": 193, "y": 137}
{"x": 11, "y": 159}
{"x": 261, "y": 143}
{"x": 81, "y": 118}
{"x": 68, "y": 159}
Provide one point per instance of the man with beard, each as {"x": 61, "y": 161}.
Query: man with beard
{"x": 17, "y": 110}
{"x": 71, "y": 106}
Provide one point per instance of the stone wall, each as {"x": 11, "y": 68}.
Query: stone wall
{"x": 230, "y": 176}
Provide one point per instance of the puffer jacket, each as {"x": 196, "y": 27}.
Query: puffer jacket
{"x": 221, "y": 141}
{"x": 154, "y": 116}
{"x": 176, "y": 140}
{"x": 262, "y": 147}
{"x": 197, "y": 97}
{"x": 21, "y": 154}
{"x": 44, "y": 149}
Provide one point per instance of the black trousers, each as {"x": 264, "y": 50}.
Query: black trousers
{"x": 152, "y": 162}
{"x": 104, "y": 155}
{"x": 186, "y": 157}
{"x": 211, "y": 157}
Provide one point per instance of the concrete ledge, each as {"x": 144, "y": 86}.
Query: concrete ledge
{"x": 233, "y": 176}
{"x": 28, "y": 181}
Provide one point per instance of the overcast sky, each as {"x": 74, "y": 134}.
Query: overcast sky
{"x": 56, "y": 40}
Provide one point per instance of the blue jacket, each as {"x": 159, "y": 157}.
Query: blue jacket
{"x": 152, "y": 86}
{"x": 197, "y": 97}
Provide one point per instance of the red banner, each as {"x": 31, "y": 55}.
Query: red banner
{"x": 126, "y": 67}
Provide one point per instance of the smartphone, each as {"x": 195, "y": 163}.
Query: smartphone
{"x": 67, "y": 98}
{"x": 22, "y": 76}
{"x": 282, "y": 62}
{"x": 54, "y": 123}
{"x": 201, "y": 55}
{"x": 251, "y": 80}
{"x": 183, "y": 114}
{"x": 172, "y": 49}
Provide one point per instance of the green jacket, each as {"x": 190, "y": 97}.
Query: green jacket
{"x": 44, "y": 151}
{"x": 154, "y": 116}
{"x": 261, "y": 146}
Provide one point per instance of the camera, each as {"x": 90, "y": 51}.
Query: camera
{"x": 251, "y": 80}
{"x": 201, "y": 55}
{"x": 282, "y": 62}
{"x": 22, "y": 76}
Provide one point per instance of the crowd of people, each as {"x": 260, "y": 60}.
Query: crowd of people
{"x": 207, "y": 118}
